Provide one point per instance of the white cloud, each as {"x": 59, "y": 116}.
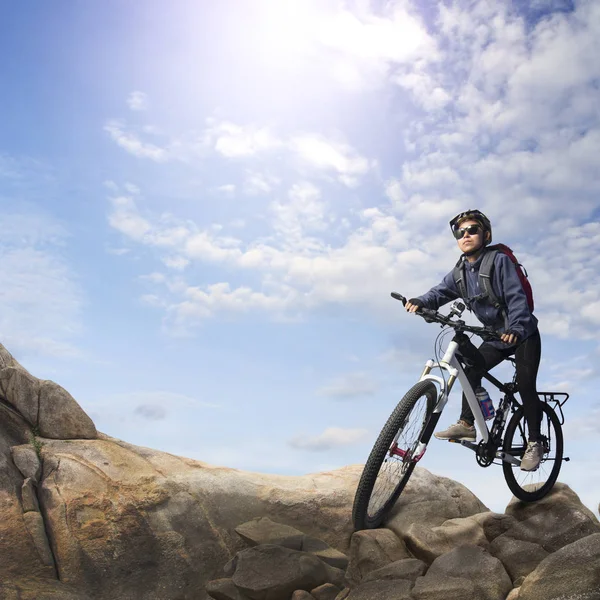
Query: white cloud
{"x": 228, "y": 189}
{"x": 137, "y": 101}
{"x": 332, "y": 437}
{"x": 325, "y": 154}
{"x": 235, "y": 141}
{"x": 41, "y": 299}
{"x": 132, "y": 144}
{"x": 351, "y": 385}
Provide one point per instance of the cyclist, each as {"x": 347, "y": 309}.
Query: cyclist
{"x": 518, "y": 327}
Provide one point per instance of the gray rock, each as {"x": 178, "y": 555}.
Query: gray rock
{"x": 398, "y": 589}
{"x": 60, "y": 416}
{"x": 263, "y": 530}
{"x": 468, "y": 573}
{"x": 270, "y": 572}
{"x": 302, "y": 595}
{"x": 29, "y": 499}
{"x": 372, "y": 549}
{"x": 27, "y": 461}
{"x": 570, "y": 573}
{"x": 430, "y": 500}
{"x": 427, "y": 543}
{"x": 406, "y": 568}
{"x": 35, "y": 525}
{"x": 21, "y": 390}
{"x": 518, "y": 557}
{"x": 326, "y": 553}
{"x": 32, "y": 588}
{"x": 514, "y": 594}
{"x": 44, "y": 404}
{"x": 555, "y": 521}
{"x": 327, "y": 591}
{"x": 224, "y": 589}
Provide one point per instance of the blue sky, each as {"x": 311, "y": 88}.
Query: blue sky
{"x": 205, "y": 208}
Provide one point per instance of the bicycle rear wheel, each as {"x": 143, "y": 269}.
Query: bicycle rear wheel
{"x": 392, "y": 459}
{"x": 530, "y": 486}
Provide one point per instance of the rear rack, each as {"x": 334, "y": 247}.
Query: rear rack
{"x": 557, "y": 399}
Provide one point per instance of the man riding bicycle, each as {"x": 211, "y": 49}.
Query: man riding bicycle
{"x": 510, "y": 315}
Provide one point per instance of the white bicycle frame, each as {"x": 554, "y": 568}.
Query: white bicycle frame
{"x": 450, "y": 364}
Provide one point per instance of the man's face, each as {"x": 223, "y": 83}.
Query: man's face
{"x": 472, "y": 236}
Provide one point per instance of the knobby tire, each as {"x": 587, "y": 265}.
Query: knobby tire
{"x": 381, "y": 451}
{"x": 516, "y": 437}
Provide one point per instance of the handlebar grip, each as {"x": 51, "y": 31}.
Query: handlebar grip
{"x": 399, "y": 297}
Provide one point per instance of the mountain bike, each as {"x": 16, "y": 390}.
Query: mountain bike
{"x": 403, "y": 440}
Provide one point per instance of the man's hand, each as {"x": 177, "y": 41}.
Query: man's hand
{"x": 413, "y": 305}
{"x": 509, "y": 338}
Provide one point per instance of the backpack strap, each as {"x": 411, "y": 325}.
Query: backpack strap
{"x": 486, "y": 270}
{"x": 458, "y": 274}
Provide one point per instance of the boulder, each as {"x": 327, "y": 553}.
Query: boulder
{"x": 427, "y": 543}
{"x": 398, "y": 589}
{"x": 263, "y": 530}
{"x": 21, "y": 555}
{"x": 573, "y": 571}
{"x": 430, "y": 500}
{"x": 406, "y": 568}
{"x": 372, "y": 549}
{"x": 27, "y": 461}
{"x": 468, "y": 573}
{"x": 43, "y": 404}
{"x": 302, "y": 595}
{"x": 518, "y": 557}
{"x": 327, "y": 591}
{"x": 555, "y": 521}
{"x": 104, "y": 498}
{"x": 224, "y": 589}
{"x": 270, "y": 572}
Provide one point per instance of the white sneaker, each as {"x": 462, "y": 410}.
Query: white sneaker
{"x": 532, "y": 457}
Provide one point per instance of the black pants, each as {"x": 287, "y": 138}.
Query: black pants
{"x": 527, "y": 361}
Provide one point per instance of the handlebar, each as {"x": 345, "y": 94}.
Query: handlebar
{"x": 433, "y": 316}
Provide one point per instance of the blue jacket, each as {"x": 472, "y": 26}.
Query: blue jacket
{"x": 506, "y": 285}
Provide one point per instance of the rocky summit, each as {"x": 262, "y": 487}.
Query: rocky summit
{"x": 86, "y": 516}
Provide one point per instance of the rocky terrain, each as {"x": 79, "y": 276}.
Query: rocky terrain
{"x": 85, "y": 516}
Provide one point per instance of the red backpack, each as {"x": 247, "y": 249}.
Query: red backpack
{"x": 485, "y": 276}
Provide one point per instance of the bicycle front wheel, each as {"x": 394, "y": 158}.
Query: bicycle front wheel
{"x": 530, "y": 486}
{"x": 393, "y": 457}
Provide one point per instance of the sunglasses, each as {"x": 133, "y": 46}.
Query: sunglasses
{"x": 470, "y": 229}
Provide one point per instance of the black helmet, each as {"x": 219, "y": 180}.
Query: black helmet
{"x": 476, "y": 215}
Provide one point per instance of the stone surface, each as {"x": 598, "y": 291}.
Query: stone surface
{"x": 270, "y": 572}
{"x": 427, "y": 543}
{"x": 31, "y": 588}
{"x": 43, "y": 404}
{"x": 373, "y": 549}
{"x": 555, "y": 521}
{"x": 26, "y": 459}
{"x": 327, "y": 591}
{"x": 407, "y": 568}
{"x": 35, "y": 526}
{"x": 398, "y": 589}
{"x": 263, "y": 530}
{"x": 60, "y": 416}
{"x": 302, "y": 595}
{"x": 518, "y": 557}
{"x": 572, "y": 572}
{"x": 468, "y": 573}
{"x": 430, "y": 500}
{"x": 19, "y": 557}
{"x": 29, "y": 500}
{"x": 224, "y": 589}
